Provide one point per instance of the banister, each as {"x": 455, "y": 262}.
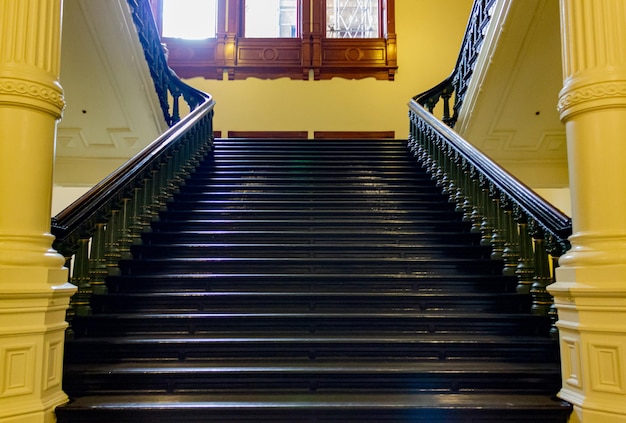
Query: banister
{"x": 456, "y": 83}
{"x": 549, "y": 217}
{"x": 523, "y": 230}
{"x": 97, "y": 231}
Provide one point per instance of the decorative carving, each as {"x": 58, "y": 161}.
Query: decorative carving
{"x": 596, "y": 92}
{"x": 46, "y": 94}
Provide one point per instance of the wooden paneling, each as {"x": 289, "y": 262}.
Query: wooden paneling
{"x": 241, "y": 58}
{"x": 269, "y": 134}
{"x": 353, "y": 134}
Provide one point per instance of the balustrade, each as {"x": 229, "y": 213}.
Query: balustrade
{"x": 523, "y": 230}
{"x": 97, "y": 231}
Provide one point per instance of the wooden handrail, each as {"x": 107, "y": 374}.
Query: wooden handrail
{"x": 551, "y": 219}
{"x": 111, "y": 188}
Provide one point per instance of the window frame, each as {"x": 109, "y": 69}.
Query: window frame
{"x": 311, "y": 55}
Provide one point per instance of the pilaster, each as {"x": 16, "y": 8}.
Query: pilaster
{"x": 590, "y": 292}
{"x": 34, "y": 292}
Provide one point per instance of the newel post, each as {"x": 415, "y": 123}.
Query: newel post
{"x": 590, "y": 291}
{"x": 34, "y": 292}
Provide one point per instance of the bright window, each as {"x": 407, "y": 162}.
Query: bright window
{"x": 352, "y": 19}
{"x": 271, "y": 19}
{"x": 189, "y": 19}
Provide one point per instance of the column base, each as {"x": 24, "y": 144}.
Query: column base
{"x": 33, "y": 302}
{"x": 591, "y": 302}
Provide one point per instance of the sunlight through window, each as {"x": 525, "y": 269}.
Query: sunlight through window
{"x": 271, "y": 19}
{"x": 189, "y": 19}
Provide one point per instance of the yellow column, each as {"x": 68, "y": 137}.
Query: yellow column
{"x": 590, "y": 292}
{"x": 34, "y": 293}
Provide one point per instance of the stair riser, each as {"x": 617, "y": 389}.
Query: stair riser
{"x": 388, "y": 350}
{"x": 364, "y": 235}
{"x": 311, "y": 266}
{"x": 194, "y": 302}
{"x": 245, "y": 382}
{"x": 303, "y": 251}
{"x": 310, "y": 283}
{"x": 116, "y": 325}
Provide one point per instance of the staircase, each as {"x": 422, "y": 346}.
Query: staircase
{"x": 311, "y": 281}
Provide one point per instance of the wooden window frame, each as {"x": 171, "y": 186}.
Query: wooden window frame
{"x": 312, "y": 53}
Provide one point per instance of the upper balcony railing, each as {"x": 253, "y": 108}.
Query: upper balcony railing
{"x": 524, "y": 231}
{"x": 97, "y": 230}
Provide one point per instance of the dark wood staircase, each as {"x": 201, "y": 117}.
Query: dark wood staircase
{"x": 311, "y": 281}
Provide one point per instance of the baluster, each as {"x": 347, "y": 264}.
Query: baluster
{"x": 477, "y": 215}
{"x": 446, "y": 94}
{"x": 124, "y": 239}
{"x": 510, "y": 253}
{"x": 526, "y": 266}
{"x": 97, "y": 261}
{"x": 70, "y": 312}
{"x": 135, "y": 226}
{"x": 542, "y": 300}
{"x": 112, "y": 253}
{"x": 80, "y": 277}
{"x": 487, "y": 225}
{"x": 497, "y": 238}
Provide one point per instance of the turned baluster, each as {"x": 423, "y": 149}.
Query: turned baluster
{"x": 510, "y": 253}
{"x": 542, "y": 300}
{"x": 112, "y": 253}
{"x": 526, "y": 265}
{"x": 80, "y": 278}
{"x": 497, "y": 238}
{"x": 97, "y": 260}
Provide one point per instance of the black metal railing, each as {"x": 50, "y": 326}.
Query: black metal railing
{"x": 452, "y": 90}
{"x": 97, "y": 230}
{"x": 523, "y": 230}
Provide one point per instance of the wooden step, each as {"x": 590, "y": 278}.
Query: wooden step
{"x": 319, "y": 407}
{"x": 245, "y": 346}
{"x": 416, "y": 323}
{"x": 277, "y": 282}
{"x": 263, "y": 301}
{"x": 262, "y": 377}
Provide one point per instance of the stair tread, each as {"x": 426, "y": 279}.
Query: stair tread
{"x": 200, "y": 367}
{"x": 346, "y": 401}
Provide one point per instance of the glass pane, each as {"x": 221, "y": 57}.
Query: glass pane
{"x": 352, "y": 19}
{"x": 189, "y": 19}
{"x": 271, "y": 19}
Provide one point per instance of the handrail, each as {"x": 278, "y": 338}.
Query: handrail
{"x": 549, "y": 217}
{"x": 96, "y": 231}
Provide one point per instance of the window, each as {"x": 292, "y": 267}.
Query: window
{"x": 299, "y": 39}
{"x": 271, "y": 19}
{"x": 352, "y": 19}
{"x": 189, "y": 19}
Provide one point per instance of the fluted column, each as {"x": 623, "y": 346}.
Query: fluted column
{"x": 34, "y": 293}
{"x": 590, "y": 292}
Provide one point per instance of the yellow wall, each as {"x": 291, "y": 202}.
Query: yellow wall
{"x": 429, "y": 36}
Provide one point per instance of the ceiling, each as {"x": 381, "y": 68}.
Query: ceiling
{"x": 112, "y": 110}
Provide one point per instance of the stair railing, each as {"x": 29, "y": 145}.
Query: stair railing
{"x": 452, "y": 89}
{"x": 523, "y": 230}
{"x": 97, "y": 231}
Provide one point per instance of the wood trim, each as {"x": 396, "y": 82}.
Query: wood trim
{"x": 353, "y": 134}
{"x": 269, "y": 134}
{"x": 240, "y": 58}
